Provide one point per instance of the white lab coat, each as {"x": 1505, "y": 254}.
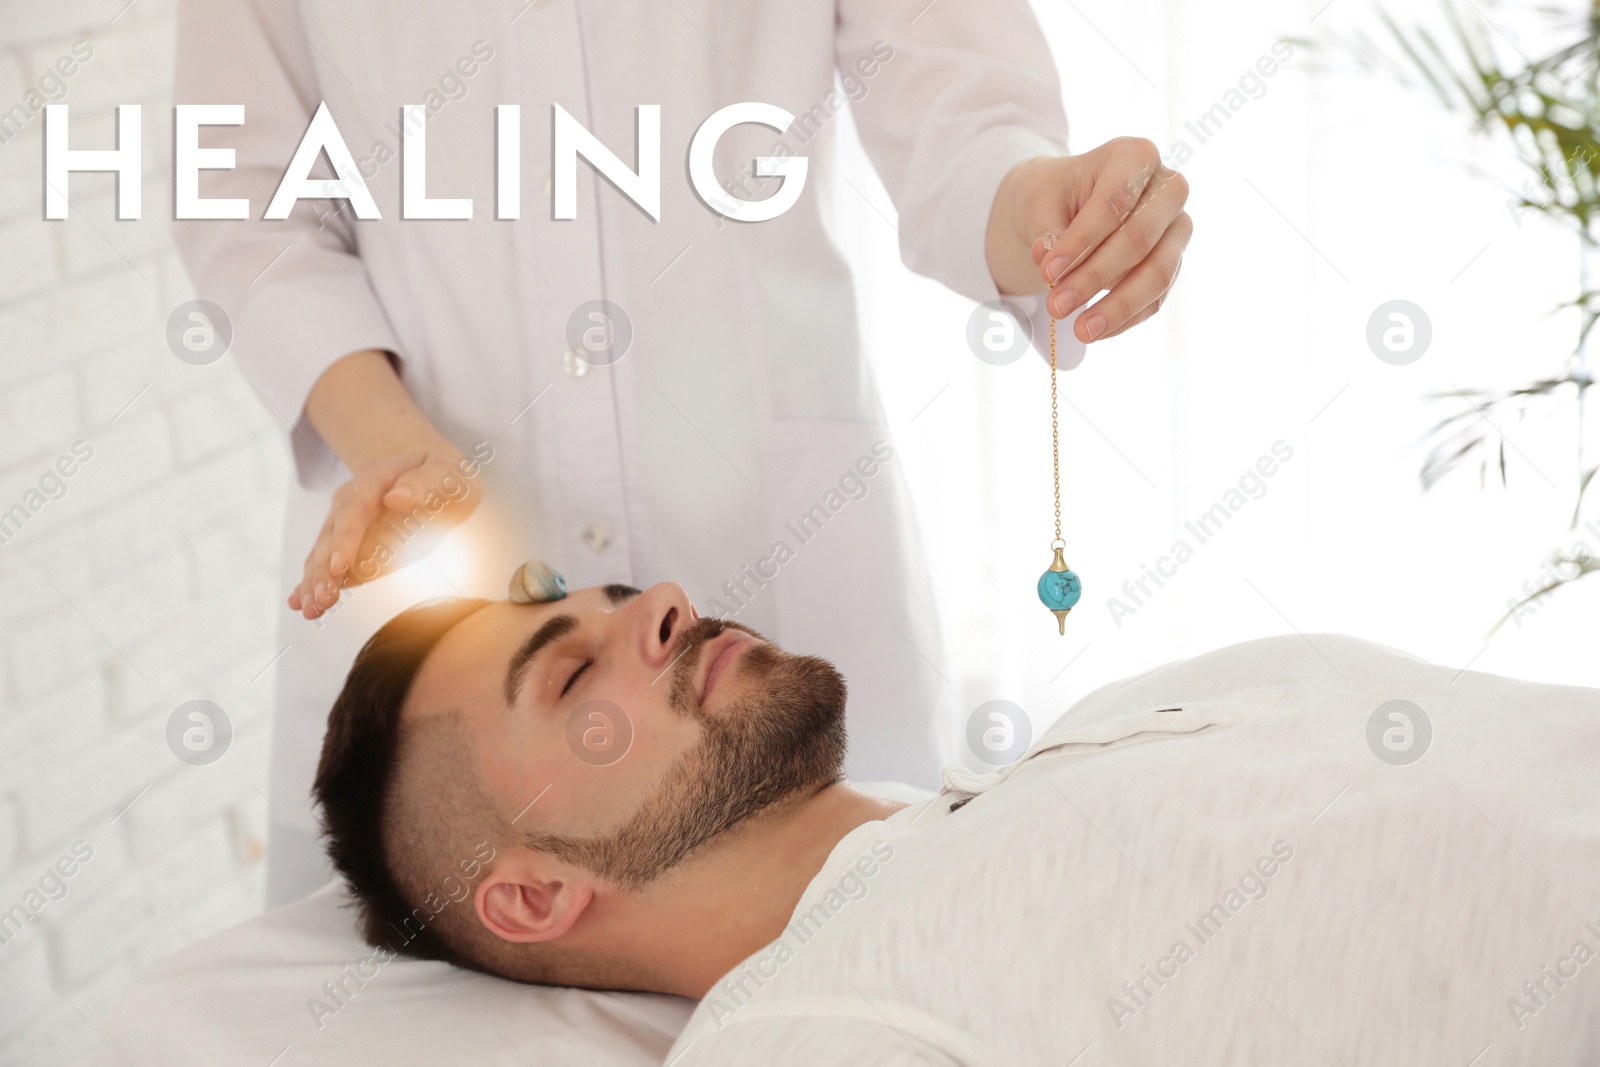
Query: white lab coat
{"x": 745, "y": 396}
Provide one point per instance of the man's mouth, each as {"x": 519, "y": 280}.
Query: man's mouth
{"x": 716, "y": 657}
{"x": 709, "y": 648}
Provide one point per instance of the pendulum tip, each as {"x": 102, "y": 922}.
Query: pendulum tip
{"x": 1061, "y": 619}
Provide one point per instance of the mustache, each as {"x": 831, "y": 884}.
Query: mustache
{"x": 686, "y": 652}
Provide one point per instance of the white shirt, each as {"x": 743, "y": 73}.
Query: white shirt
{"x": 1223, "y": 871}
{"x": 744, "y": 400}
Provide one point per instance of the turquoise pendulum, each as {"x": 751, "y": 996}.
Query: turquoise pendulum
{"x": 1059, "y": 586}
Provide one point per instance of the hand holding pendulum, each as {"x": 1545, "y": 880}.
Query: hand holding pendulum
{"x": 1059, "y": 586}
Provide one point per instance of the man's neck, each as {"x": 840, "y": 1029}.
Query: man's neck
{"x": 740, "y": 893}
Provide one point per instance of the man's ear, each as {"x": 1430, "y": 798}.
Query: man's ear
{"x": 523, "y": 900}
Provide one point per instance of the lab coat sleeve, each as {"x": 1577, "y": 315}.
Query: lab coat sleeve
{"x": 962, "y": 93}
{"x": 296, "y": 291}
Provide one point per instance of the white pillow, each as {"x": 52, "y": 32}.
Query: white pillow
{"x": 244, "y": 997}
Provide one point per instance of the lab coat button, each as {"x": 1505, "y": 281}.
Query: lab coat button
{"x": 575, "y": 363}
{"x": 597, "y": 535}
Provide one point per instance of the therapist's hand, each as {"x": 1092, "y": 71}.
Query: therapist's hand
{"x": 407, "y": 480}
{"x": 1110, "y": 219}
{"x": 386, "y": 503}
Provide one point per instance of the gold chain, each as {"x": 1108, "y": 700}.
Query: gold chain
{"x": 1055, "y": 431}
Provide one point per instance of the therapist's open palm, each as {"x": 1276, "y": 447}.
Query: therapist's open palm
{"x": 375, "y": 514}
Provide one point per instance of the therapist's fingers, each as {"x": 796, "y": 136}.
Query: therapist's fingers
{"x": 353, "y": 510}
{"x": 300, "y": 599}
{"x": 357, "y": 505}
{"x": 1135, "y": 287}
{"x": 354, "y": 507}
{"x": 1140, "y": 315}
{"x": 1099, "y": 190}
{"x": 1136, "y": 240}
{"x": 314, "y": 586}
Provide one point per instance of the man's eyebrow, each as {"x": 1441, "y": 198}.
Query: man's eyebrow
{"x": 554, "y": 629}
{"x": 522, "y": 662}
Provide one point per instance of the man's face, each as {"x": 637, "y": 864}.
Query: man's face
{"x": 619, "y": 731}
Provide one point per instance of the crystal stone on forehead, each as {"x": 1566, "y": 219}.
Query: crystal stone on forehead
{"x": 536, "y": 582}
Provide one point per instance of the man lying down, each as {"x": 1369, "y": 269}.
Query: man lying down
{"x": 1230, "y": 862}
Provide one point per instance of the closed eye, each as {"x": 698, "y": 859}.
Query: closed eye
{"x": 574, "y": 679}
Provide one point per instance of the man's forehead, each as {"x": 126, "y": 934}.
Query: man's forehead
{"x": 466, "y": 668}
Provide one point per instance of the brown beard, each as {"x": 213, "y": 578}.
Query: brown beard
{"x": 785, "y": 742}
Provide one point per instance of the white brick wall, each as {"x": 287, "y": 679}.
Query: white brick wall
{"x": 151, "y": 582}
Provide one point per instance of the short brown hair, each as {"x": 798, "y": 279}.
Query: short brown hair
{"x": 359, "y": 765}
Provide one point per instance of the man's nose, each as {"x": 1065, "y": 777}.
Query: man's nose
{"x": 658, "y": 616}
